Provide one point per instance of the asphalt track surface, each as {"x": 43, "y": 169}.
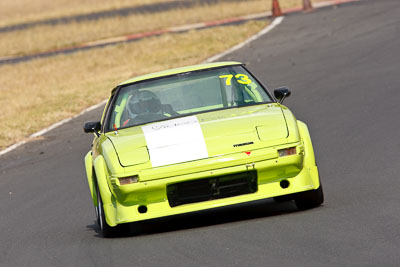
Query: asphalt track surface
{"x": 343, "y": 67}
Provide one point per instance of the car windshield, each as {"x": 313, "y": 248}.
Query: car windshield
{"x": 185, "y": 94}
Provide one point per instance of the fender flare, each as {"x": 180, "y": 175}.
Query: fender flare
{"x": 101, "y": 176}
{"x": 89, "y": 175}
{"x": 309, "y": 156}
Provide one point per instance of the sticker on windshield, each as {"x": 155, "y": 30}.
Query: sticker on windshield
{"x": 240, "y": 78}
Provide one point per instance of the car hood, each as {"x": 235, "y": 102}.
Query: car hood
{"x": 201, "y": 136}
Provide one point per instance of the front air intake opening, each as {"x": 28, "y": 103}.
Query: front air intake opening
{"x": 142, "y": 209}
{"x": 212, "y": 188}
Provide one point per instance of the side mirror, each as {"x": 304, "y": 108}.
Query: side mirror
{"x": 92, "y": 127}
{"x": 281, "y": 93}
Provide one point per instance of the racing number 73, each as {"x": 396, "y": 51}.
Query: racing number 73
{"x": 240, "y": 78}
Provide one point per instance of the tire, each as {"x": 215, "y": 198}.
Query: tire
{"x": 309, "y": 199}
{"x": 106, "y": 230}
{"x": 96, "y": 209}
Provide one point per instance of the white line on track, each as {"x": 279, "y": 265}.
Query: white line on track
{"x": 51, "y": 127}
{"x": 267, "y": 29}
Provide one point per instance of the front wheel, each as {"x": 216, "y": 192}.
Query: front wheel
{"x": 309, "y": 199}
{"x": 106, "y": 230}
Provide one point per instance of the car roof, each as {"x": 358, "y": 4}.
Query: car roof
{"x": 180, "y": 70}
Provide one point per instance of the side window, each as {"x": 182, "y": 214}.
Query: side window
{"x": 119, "y": 108}
{"x": 106, "y": 113}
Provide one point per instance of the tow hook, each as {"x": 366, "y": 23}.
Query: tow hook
{"x": 250, "y": 166}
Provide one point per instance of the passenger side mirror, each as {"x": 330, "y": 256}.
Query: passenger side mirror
{"x": 92, "y": 127}
{"x": 281, "y": 93}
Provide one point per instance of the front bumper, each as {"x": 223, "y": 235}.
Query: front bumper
{"x": 149, "y": 199}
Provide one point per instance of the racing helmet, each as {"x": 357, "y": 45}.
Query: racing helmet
{"x": 144, "y": 102}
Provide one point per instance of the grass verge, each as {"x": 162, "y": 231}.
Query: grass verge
{"x": 35, "y": 94}
{"x": 20, "y": 11}
{"x": 48, "y": 37}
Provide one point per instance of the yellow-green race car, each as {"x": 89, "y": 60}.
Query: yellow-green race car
{"x": 196, "y": 138}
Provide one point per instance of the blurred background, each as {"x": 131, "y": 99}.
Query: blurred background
{"x": 70, "y": 75}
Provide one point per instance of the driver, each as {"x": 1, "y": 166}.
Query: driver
{"x": 144, "y": 106}
{"x": 144, "y": 102}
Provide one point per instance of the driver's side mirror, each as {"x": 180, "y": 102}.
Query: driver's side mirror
{"x": 92, "y": 127}
{"x": 281, "y": 93}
